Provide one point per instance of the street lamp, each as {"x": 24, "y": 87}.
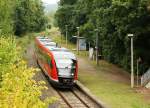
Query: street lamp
{"x": 66, "y": 34}
{"x": 137, "y": 71}
{"x": 132, "y": 65}
{"x": 78, "y": 35}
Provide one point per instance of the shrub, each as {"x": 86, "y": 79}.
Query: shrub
{"x": 18, "y": 88}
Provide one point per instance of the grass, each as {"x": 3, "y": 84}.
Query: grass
{"x": 114, "y": 93}
{"x": 25, "y": 40}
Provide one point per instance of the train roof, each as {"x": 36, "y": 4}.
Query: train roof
{"x": 62, "y": 53}
{"x": 50, "y": 47}
{"x": 45, "y": 43}
{"x": 58, "y": 53}
{"x": 58, "y": 49}
{"x": 44, "y": 39}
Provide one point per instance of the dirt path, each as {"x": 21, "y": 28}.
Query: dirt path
{"x": 114, "y": 73}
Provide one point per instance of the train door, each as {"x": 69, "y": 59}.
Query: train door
{"x": 48, "y": 65}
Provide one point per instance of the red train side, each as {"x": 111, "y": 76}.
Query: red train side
{"x": 59, "y": 64}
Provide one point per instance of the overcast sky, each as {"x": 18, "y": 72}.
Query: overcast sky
{"x": 50, "y": 1}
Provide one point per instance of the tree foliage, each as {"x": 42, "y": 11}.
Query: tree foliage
{"x": 29, "y": 16}
{"x": 21, "y": 16}
{"x": 6, "y": 13}
{"x": 67, "y": 2}
{"x": 114, "y": 20}
{"x": 17, "y": 86}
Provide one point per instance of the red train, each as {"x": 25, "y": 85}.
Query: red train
{"x": 59, "y": 64}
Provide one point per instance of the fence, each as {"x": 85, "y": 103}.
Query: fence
{"x": 145, "y": 78}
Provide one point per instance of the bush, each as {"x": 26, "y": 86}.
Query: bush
{"x": 18, "y": 89}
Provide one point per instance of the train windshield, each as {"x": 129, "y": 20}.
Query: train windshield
{"x": 65, "y": 63}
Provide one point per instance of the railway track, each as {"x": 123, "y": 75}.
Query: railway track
{"x": 75, "y": 98}
{"x": 72, "y": 98}
{"x": 69, "y": 98}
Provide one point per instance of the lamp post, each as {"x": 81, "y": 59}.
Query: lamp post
{"x": 132, "y": 63}
{"x": 78, "y": 35}
{"x": 61, "y": 38}
{"x": 66, "y": 34}
{"x": 137, "y": 71}
{"x": 97, "y": 62}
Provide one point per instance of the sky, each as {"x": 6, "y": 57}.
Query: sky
{"x": 50, "y": 1}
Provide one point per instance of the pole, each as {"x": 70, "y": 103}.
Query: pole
{"x": 137, "y": 71}
{"x": 78, "y": 40}
{"x": 89, "y": 45}
{"x": 61, "y": 39}
{"x": 132, "y": 62}
{"x": 89, "y": 51}
{"x": 66, "y": 34}
{"x": 97, "y": 59}
{"x": 132, "y": 65}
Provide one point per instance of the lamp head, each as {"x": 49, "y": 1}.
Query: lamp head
{"x": 130, "y": 35}
{"x": 78, "y": 27}
{"x": 96, "y": 29}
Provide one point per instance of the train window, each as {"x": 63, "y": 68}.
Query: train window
{"x": 49, "y": 61}
{"x": 64, "y": 63}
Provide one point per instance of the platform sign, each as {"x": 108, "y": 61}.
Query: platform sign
{"x": 82, "y": 44}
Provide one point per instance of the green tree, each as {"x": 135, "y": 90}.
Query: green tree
{"x": 114, "y": 19}
{"x": 6, "y": 16}
{"x": 67, "y": 2}
{"x": 30, "y": 17}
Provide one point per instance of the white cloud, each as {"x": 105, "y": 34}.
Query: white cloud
{"x": 50, "y": 1}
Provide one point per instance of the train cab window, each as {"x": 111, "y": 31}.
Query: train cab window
{"x": 49, "y": 62}
{"x": 65, "y": 63}
{"x": 65, "y": 67}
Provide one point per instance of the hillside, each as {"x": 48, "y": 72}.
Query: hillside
{"x": 50, "y": 7}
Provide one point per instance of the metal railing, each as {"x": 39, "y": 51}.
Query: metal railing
{"x": 145, "y": 78}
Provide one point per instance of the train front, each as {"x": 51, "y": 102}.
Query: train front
{"x": 66, "y": 65}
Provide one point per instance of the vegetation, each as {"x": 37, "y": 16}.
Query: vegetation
{"x": 114, "y": 19}
{"x": 21, "y": 16}
{"x": 51, "y": 20}
{"x": 6, "y": 13}
{"x": 17, "y": 87}
{"x": 29, "y": 16}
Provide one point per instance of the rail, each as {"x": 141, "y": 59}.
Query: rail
{"x": 75, "y": 98}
